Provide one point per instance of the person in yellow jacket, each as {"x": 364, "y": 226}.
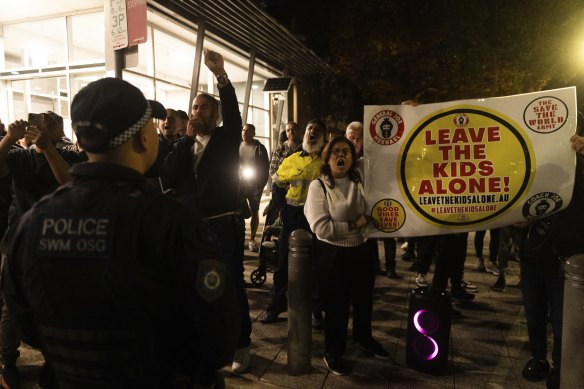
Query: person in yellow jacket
{"x": 296, "y": 172}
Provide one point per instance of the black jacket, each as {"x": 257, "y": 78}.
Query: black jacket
{"x": 117, "y": 284}
{"x": 261, "y": 165}
{"x": 213, "y": 189}
{"x": 33, "y": 177}
{"x": 568, "y": 224}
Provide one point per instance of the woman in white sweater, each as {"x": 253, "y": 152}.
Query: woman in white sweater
{"x": 335, "y": 210}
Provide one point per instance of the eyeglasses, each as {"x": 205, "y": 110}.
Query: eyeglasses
{"x": 343, "y": 152}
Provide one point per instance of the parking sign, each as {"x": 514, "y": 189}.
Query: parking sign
{"x": 118, "y": 24}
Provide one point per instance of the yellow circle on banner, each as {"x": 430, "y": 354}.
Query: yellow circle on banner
{"x": 465, "y": 165}
{"x": 388, "y": 215}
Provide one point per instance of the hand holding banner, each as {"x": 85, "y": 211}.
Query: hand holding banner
{"x": 468, "y": 165}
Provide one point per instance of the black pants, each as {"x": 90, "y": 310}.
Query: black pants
{"x": 226, "y": 235}
{"x": 292, "y": 219}
{"x": 451, "y": 250}
{"x": 493, "y": 243}
{"x": 389, "y": 248}
{"x": 9, "y": 334}
{"x": 505, "y": 246}
{"x": 426, "y": 251}
{"x": 345, "y": 275}
{"x": 543, "y": 298}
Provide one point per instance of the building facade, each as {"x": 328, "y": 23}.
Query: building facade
{"x": 50, "y": 50}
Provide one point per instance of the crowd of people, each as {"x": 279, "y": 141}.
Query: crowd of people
{"x": 123, "y": 253}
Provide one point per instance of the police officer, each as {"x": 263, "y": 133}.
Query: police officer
{"x": 116, "y": 283}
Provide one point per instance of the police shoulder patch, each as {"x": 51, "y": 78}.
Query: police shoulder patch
{"x": 210, "y": 279}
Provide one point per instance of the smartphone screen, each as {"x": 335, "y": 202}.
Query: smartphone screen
{"x": 35, "y": 119}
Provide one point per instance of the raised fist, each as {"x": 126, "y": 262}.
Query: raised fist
{"x": 214, "y": 61}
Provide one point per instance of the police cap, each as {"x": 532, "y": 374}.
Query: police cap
{"x": 109, "y": 112}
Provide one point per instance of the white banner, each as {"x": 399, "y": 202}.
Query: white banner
{"x": 468, "y": 165}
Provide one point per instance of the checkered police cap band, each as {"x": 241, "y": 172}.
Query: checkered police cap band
{"x": 130, "y": 132}
{"x": 82, "y": 128}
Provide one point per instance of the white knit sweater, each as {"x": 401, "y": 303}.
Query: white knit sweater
{"x": 329, "y": 215}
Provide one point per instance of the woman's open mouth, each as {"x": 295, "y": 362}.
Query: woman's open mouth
{"x": 341, "y": 163}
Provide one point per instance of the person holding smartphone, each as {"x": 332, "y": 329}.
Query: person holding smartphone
{"x": 36, "y": 171}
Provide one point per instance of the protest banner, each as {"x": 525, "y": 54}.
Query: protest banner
{"x": 468, "y": 165}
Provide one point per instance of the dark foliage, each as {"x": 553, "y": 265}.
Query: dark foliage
{"x": 386, "y": 51}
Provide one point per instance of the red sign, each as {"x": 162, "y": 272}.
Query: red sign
{"x": 136, "y": 12}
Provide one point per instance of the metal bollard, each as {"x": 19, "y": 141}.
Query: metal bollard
{"x": 571, "y": 373}
{"x": 299, "y": 302}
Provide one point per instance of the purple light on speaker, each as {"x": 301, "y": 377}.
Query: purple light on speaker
{"x": 435, "y": 352}
{"x": 417, "y": 321}
{"x": 426, "y": 347}
{"x": 426, "y": 322}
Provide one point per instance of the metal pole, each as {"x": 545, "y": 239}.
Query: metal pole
{"x": 120, "y": 63}
{"x": 571, "y": 372}
{"x": 197, "y": 64}
{"x": 252, "y": 55}
{"x": 278, "y": 120}
{"x": 299, "y": 302}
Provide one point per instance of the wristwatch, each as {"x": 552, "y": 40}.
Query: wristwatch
{"x": 222, "y": 79}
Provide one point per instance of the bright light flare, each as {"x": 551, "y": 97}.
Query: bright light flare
{"x": 247, "y": 173}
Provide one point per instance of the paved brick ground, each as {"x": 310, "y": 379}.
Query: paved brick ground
{"x": 488, "y": 344}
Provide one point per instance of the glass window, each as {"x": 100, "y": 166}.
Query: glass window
{"x": 206, "y": 80}
{"x": 40, "y": 95}
{"x": 258, "y": 97}
{"x": 164, "y": 70}
{"x": 63, "y": 97}
{"x": 87, "y": 43}
{"x": 174, "y": 58}
{"x": 145, "y": 84}
{"x": 239, "y": 90}
{"x": 173, "y": 96}
{"x": 145, "y": 56}
{"x": 5, "y": 111}
{"x": 261, "y": 121}
{"x": 44, "y": 94}
{"x": 35, "y": 44}
{"x": 237, "y": 75}
{"x": 79, "y": 81}
{"x": 19, "y": 109}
